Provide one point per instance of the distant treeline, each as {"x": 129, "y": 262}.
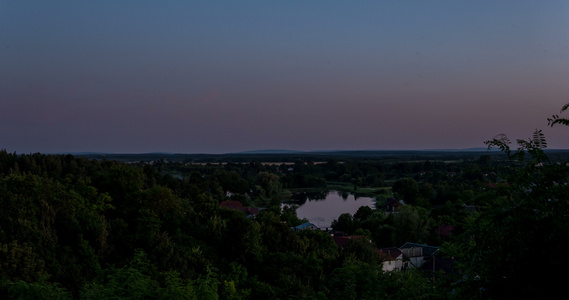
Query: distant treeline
{"x": 386, "y": 155}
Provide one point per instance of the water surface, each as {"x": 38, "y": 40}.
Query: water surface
{"x": 321, "y": 208}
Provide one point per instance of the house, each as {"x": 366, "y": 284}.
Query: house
{"x": 426, "y": 249}
{"x": 250, "y": 211}
{"x": 236, "y": 205}
{"x": 392, "y": 204}
{"x": 392, "y": 258}
{"x": 231, "y": 204}
{"x": 306, "y": 225}
{"x": 416, "y": 255}
{"x": 408, "y": 256}
{"x": 413, "y": 257}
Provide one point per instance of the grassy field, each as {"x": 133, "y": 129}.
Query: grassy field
{"x": 364, "y": 191}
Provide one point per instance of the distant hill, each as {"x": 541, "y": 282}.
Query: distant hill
{"x": 269, "y": 151}
{"x": 461, "y": 150}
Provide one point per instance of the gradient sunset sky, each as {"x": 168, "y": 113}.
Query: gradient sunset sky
{"x": 230, "y": 76}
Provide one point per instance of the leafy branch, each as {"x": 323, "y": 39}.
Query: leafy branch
{"x": 555, "y": 119}
{"x": 533, "y": 146}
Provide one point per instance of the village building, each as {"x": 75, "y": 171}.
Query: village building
{"x": 236, "y": 205}
{"x": 306, "y": 225}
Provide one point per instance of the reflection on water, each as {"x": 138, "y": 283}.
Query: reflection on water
{"x": 301, "y": 197}
{"x": 323, "y": 207}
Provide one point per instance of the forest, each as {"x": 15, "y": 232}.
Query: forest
{"x": 81, "y": 227}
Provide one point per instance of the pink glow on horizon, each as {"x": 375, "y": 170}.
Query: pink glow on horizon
{"x": 207, "y": 77}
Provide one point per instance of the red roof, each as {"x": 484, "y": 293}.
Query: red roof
{"x": 340, "y": 240}
{"x": 390, "y": 253}
{"x": 445, "y": 230}
{"x": 231, "y": 204}
{"x": 239, "y": 206}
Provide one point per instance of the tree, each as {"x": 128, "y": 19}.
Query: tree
{"x": 34, "y": 290}
{"x": 357, "y": 280}
{"x": 360, "y": 248}
{"x": 133, "y": 281}
{"x": 19, "y": 262}
{"x": 412, "y": 224}
{"x": 408, "y": 188}
{"x": 555, "y": 119}
{"x": 363, "y": 213}
{"x": 382, "y": 231}
{"x": 520, "y": 231}
{"x": 344, "y": 223}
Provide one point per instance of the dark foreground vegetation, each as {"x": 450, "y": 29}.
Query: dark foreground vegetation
{"x": 85, "y": 228}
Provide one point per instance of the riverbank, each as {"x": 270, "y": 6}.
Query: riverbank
{"x": 359, "y": 191}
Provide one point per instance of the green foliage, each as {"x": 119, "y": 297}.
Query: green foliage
{"x": 319, "y": 245}
{"x": 533, "y": 146}
{"x": 412, "y": 224}
{"x": 356, "y": 280}
{"x": 360, "y": 248}
{"x": 177, "y": 288}
{"x": 77, "y": 222}
{"x": 521, "y": 229}
{"x": 344, "y": 223}
{"x": 288, "y": 215}
{"x": 269, "y": 184}
{"x": 408, "y": 189}
{"x": 20, "y": 262}
{"x": 363, "y": 213}
{"x": 31, "y": 291}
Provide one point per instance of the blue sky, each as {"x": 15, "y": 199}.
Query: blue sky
{"x": 229, "y": 76}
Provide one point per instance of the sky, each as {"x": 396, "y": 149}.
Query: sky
{"x": 232, "y": 76}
